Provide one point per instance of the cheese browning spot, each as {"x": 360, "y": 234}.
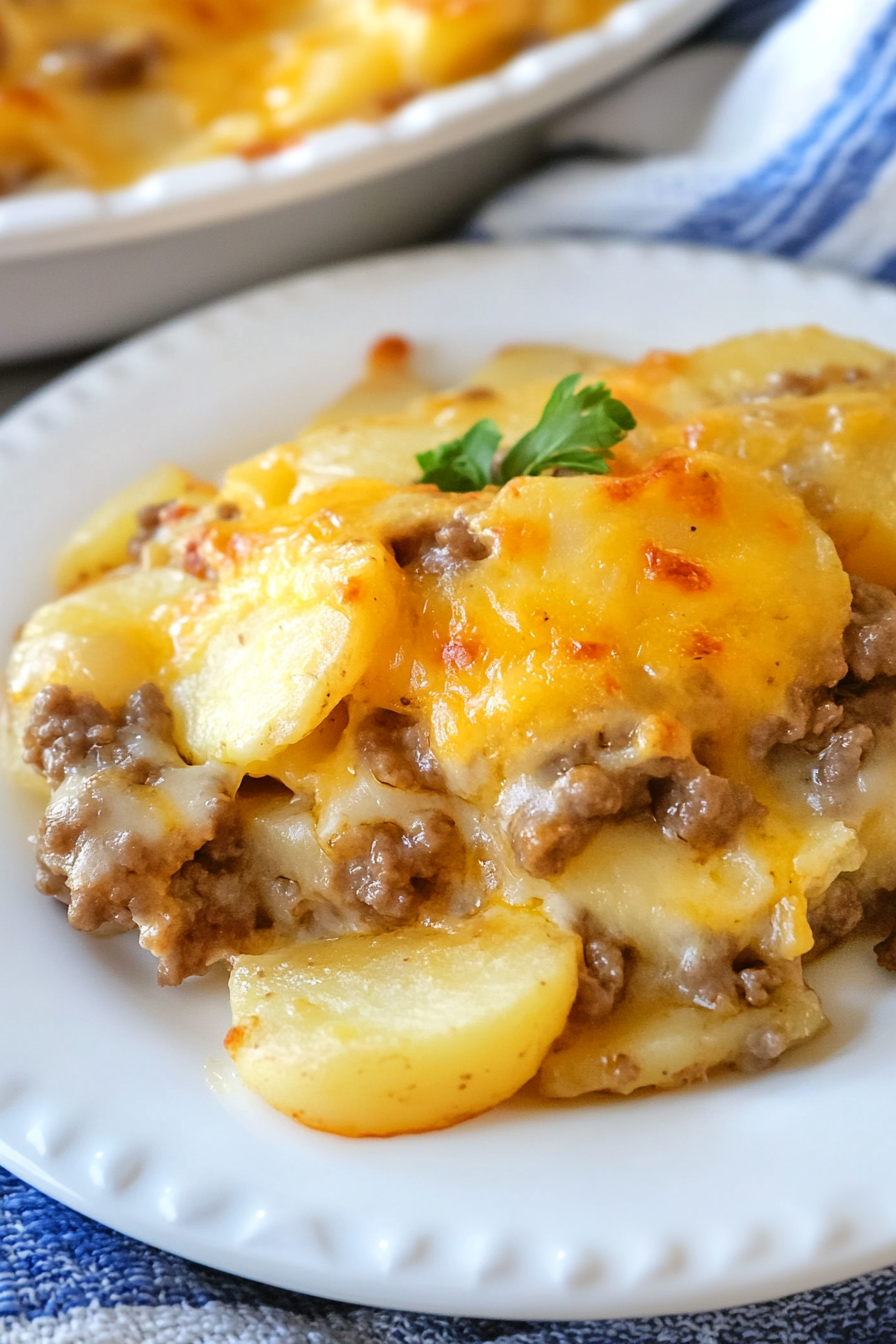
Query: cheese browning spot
{"x": 587, "y": 649}
{"x": 703, "y": 645}
{"x": 673, "y": 567}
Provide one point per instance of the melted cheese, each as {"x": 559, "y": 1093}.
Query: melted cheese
{"x": 665, "y": 611}
{"x": 101, "y": 91}
{"x": 666, "y": 593}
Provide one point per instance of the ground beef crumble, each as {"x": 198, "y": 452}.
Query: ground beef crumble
{"x": 869, "y": 641}
{"x": 397, "y": 751}
{"x": 115, "y": 62}
{"x": 211, "y": 908}
{"x": 149, "y": 520}
{"x": 834, "y": 917}
{"x": 390, "y": 869}
{"x": 126, "y": 815}
{"x": 701, "y": 808}
{"x": 603, "y": 973}
{"x": 761, "y": 1048}
{"x": 440, "y": 549}
{"x": 62, "y": 729}
{"x": 837, "y": 745}
{"x": 558, "y": 820}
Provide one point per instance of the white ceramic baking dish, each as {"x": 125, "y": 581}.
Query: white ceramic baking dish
{"x": 78, "y": 267}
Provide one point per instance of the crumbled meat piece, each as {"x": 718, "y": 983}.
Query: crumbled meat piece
{"x": 49, "y": 883}
{"x": 886, "y": 952}
{"x": 809, "y": 713}
{"x": 602, "y": 979}
{"x": 209, "y": 909}
{"x": 879, "y": 919}
{"x": 115, "y": 62}
{"x": 624, "y": 1070}
{"x": 791, "y": 383}
{"x": 62, "y": 729}
{"x": 397, "y": 751}
{"x": 440, "y": 550}
{"x": 127, "y": 812}
{"x": 557, "y": 824}
{"x": 758, "y": 982}
{"x": 702, "y": 808}
{"x": 391, "y": 869}
{"x": 705, "y": 974}
{"x": 834, "y": 917}
{"x": 761, "y": 1048}
{"x": 836, "y": 768}
{"x": 149, "y": 520}
{"x": 147, "y": 710}
{"x": 869, "y": 641}
{"x": 873, "y": 705}
{"x": 109, "y": 867}
{"x": 869, "y": 647}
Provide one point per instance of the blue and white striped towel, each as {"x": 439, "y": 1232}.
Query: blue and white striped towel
{"x": 787, "y": 148}
{"x": 812, "y": 113}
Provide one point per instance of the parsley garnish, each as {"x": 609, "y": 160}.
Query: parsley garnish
{"x": 463, "y": 464}
{"x": 576, "y": 432}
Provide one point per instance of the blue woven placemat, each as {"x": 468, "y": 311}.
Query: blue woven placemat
{"x": 65, "y": 1279}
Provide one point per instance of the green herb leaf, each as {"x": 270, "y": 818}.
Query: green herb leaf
{"x": 576, "y": 432}
{"x": 464, "y": 464}
{"x": 585, "y": 424}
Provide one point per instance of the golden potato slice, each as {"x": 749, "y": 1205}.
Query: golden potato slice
{"x": 667, "y": 385}
{"x": 514, "y": 365}
{"x": 101, "y": 542}
{"x": 672, "y": 1044}
{"x": 374, "y": 447}
{"x": 404, "y": 1031}
{"x": 270, "y": 653}
{"x": 368, "y": 433}
{"x": 792, "y": 359}
{"x": 107, "y": 639}
{"x": 389, "y": 383}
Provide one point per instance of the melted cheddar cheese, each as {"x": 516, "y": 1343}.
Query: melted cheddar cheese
{"x": 650, "y": 706}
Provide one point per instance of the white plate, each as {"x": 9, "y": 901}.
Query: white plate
{"x": 114, "y": 1095}
{"x": 80, "y": 266}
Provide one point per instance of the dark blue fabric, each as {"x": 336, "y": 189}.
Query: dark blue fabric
{"x": 52, "y": 1260}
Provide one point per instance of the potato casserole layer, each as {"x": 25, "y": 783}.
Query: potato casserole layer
{"x": 558, "y": 772}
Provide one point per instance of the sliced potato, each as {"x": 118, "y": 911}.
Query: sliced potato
{"x": 107, "y": 639}
{"x": 262, "y": 660}
{"x": 389, "y": 383}
{"x": 404, "y": 1031}
{"x": 672, "y": 1044}
{"x": 765, "y": 361}
{"x": 369, "y": 434}
{"x": 101, "y": 542}
{"x": 514, "y": 365}
{"x": 767, "y": 364}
